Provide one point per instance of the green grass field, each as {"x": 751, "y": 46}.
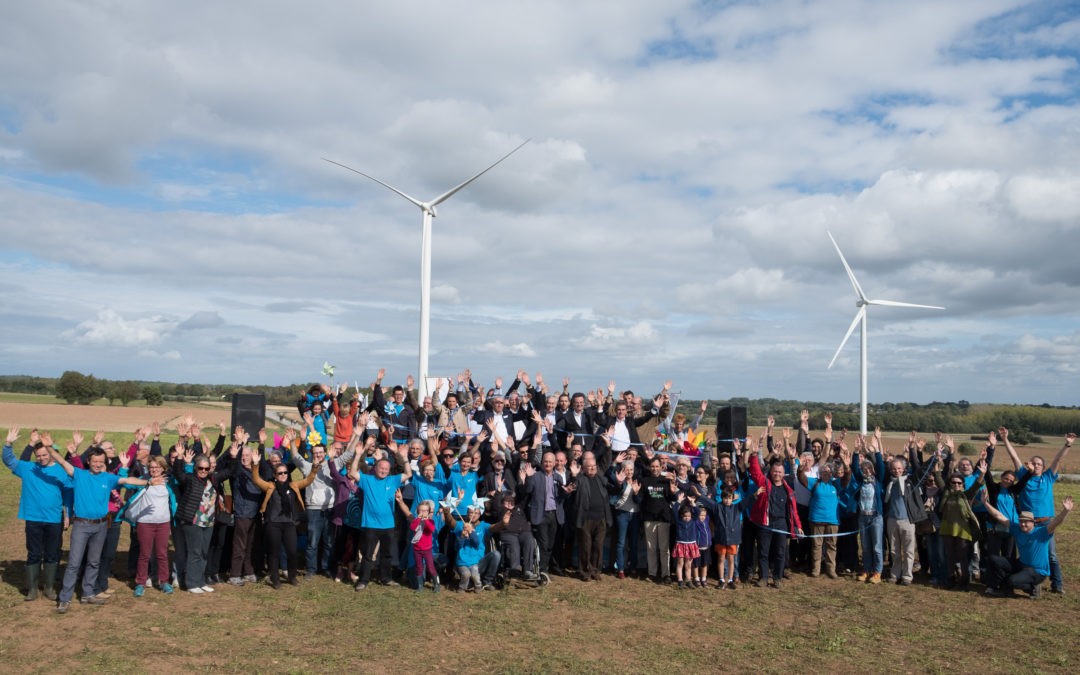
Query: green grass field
{"x": 611, "y": 626}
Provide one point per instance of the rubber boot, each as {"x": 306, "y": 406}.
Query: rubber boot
{"x": 32, "y": 581}
{"x": 48, "y": 577}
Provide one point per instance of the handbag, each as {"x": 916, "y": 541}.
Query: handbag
{"x": 224, "y": 515}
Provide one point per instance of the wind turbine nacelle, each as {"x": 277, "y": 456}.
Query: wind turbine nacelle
{"x": 431, "y": 210}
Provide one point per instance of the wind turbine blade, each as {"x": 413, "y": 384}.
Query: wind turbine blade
{"x": 452, "y": 191}
{"x": 851, "y": 275}
{"x": 390, "y": 187}
{"x": 851, "y": 329}
{"x": 893, "y": 303}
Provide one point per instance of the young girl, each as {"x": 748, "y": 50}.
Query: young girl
{"x": 422, "y": 529}
{"x": 703, "y": 531}
{"x": 686, "y": 547}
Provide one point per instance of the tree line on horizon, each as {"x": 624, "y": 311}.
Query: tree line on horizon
{"x": 1024, "y": 421}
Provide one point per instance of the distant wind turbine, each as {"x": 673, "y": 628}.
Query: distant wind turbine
{"x": 428, "y": 210}
{"x": 862, "y": 302}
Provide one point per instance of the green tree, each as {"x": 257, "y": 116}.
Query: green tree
{"x": 127, "y": 391}
{"x": 153, "y": 396}
{"x": 70, "y": 386}
{"x": 74, "y": 387}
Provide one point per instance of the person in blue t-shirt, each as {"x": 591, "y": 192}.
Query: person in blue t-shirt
{"x": 45, "y": 495}
{"x": 1032, "y": 546}
{"x": 824, "y": 517}
{"x": 90, "y": 523}
{"x": 474, "y": 561}
{"x": 377, "y": 525}
{"x": 1037, "y": 494}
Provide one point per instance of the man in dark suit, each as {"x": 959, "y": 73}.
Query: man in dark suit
{"x": 544, "y": 494}
{"x": 579, "y": 421}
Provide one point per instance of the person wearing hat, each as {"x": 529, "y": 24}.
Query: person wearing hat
{"x": 1032, "y": 544}
{"x": 474, "y": 561}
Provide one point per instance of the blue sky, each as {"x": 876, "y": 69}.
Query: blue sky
{"x": 167, "y": 214}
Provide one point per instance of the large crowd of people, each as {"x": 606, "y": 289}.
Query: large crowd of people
{"x": 476, "y": 487}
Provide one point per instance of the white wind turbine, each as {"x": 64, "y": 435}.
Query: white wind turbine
{"x": 428, "y": 210}
{"x": 862, "y": 302}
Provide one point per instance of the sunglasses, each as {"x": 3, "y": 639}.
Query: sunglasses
{"x": 202, "y": 468}
{"x": 281, "y": 473}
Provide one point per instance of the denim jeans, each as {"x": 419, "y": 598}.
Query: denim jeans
{"x": 43, "y": 542}
{"x": 108, "y": 555}
{"x": 626, "y": 533}
{"x": 320, "y": 538}
{"x": 940, "y": 569}
{"x": 87, "y": 540}
{"x": 871, "y": 529}
{"x": 1056, "y": 580}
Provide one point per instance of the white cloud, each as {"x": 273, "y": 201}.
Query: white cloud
{"x": 112, "y": 330}
{"x": 601, "y": 338}
{"x": 500, "y": 349}
{"x": 446, "y": 294}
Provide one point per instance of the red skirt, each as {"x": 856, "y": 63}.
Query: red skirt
{"x": 685, "y": 550}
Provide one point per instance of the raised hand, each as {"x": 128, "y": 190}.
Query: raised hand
{"x": 1067, "y": 504}
{"x": 99, "y": 436}
{"x": 77, "y": 437}
{"x": 409, "y": 382}
{"x": 189, "y": 455}
{"x": 262, "y": 436}
{"x": 155, "y": 428}
{"x": 221, "y": 427}
{"x": 12, "y": 434}
{"x": 1003, "y": 433}
{"x": 35, "y": 437}
{"x": 704, "y": 404}
{"x": 539, "y": 380}
{"x": 566, "y": 382}
{"x": 46, "y": 439}
{"x": 667, "y": 385}
{"x": 498, "y": 383}
{"x": 590, "y": 397}
{"x": 991, "y": 439}
{"x": 124, "y": 460}
{"x": 611, "y": 387}
{"x": 530, "y": 470}
{"x": 380, "y": 375}
{"x": 770, "y": 422}
{"x": 828, "y": 420}
{"x": 635, "y": 486}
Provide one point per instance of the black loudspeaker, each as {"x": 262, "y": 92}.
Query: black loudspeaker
{"x": 730, "y": 423}
{"x": 249, "y": 411}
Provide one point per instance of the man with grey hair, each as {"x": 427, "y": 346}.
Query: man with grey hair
{"x": 902, "y": 500}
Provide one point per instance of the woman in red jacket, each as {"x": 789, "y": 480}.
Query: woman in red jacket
{"x": 775, "y": 515}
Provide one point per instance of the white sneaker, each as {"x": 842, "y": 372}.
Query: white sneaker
{"x": 196, "y": 590}
{"x": 207, "y": 589}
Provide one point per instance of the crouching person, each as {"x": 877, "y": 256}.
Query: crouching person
{"x": 1033, "y": 546}
{"x": 474, "y": 561}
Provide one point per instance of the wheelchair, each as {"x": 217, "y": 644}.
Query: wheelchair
{"x": 506, "y": 578}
